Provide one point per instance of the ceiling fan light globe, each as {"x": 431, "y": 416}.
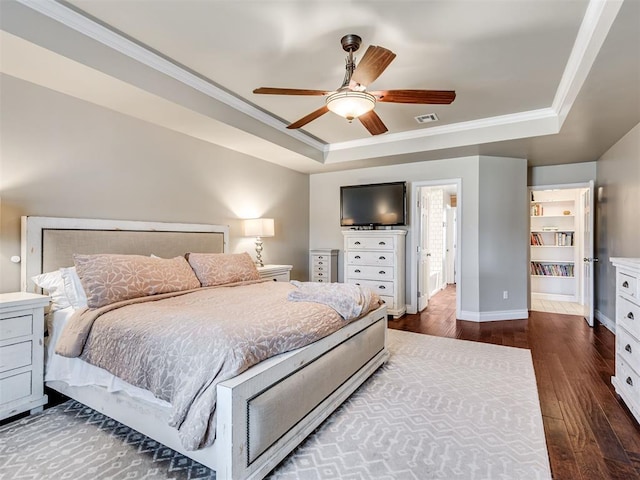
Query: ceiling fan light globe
{"x": 349, "y": 104}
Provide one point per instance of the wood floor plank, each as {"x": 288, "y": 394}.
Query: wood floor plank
{"x": 590, "y": 433}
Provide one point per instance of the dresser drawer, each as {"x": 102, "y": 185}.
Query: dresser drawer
{"x": 321, "y": 268}
{"x": 628, "y": 380}
{"x": 370, "y": 243}
{"x": 13, "y": 327}
{"x": 321, "y": 258}
{"x": 381, "y": 288}
{"x": 370, "y": 272}
{"x": 15, "y": 387}
{"x": 628, "y": 315}
{"x": 628, "y": 284}
{"x": 15, "y": 356}
{"x": 369, "y": 258}
{"x": 321, "y": 275}
{"x": 388, "y": 301}
{"x": 320, "y": 279}
{"x": 628, "y": 348}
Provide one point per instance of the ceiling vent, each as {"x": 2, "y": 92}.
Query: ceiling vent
{"x": 429, "y": 117}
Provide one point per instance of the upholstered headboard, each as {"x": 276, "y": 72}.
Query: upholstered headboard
{"x": 49, "y": 243}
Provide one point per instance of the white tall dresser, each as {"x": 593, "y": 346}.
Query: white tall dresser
{"x": 376, "y": 259}
{"x": 627, "y": 377}
{"x": 323, "y": 265}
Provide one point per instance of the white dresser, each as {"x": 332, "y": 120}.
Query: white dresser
{"x": 376, "y": 259}
{"x": 21, "y": 353}
{"x": 627, "y": 377}
{"x": 277, "y": 273}
{"x": 323, "y": 265}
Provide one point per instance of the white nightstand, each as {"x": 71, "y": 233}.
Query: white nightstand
{"x": 21, "y": 353}
{"x": 278, "y": 273}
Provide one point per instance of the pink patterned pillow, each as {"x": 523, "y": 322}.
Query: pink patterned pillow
{"x": 109, "y": 278}
{"x": 220, "y": 268}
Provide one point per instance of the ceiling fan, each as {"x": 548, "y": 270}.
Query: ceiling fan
{"x": 352, "y": 100}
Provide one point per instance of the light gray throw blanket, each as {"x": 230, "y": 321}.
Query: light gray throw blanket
{"x": 346, "y": 299}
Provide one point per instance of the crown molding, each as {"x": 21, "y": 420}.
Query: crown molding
{"x": 117, "y": 42}
{"x": 460, "y": 127}
{"x": 599, "y": 17}
{"x": 595, "y": 26}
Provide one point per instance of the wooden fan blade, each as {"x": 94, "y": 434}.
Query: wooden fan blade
{"x": 374, "y": 61}
{"x": 373, "y": 123}
{"x": 289, "y": 91}
{"x": 312, "y": 116}
{"x": 415, "y": 96}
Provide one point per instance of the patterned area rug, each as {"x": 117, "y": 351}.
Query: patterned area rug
{"x": 439, "y": 409}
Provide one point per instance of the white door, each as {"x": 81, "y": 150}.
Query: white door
{"x": 424, "y": 258}
{"x": 588, "y": 260}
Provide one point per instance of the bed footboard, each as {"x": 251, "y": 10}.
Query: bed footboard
{"x": 265, "y": 415}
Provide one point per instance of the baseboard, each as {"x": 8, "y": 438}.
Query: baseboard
{"x": 606, "y": 321}
{"x": 494, "y": 316}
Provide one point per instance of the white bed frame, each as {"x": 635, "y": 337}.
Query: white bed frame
{"x": 261, "y": 416}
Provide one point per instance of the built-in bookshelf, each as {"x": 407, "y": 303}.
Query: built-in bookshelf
{"x": 553, "y": 241}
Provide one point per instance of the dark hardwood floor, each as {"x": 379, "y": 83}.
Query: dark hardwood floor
{"x": 590, "y": 433}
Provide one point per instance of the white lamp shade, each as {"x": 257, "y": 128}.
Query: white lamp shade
{"x": 258, "y": 227}
{"x": 349, "y": 104}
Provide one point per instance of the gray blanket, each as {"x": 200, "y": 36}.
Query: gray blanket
{"x": 346, "y": 299}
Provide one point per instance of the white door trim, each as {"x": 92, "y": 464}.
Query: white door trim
{"x": 415, "y": 232}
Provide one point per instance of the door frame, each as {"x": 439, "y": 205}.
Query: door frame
{"x": 415, "y": 233}
{"x": 590, "y": 185}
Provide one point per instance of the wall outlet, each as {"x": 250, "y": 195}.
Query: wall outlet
{"x": 505, "y": 294}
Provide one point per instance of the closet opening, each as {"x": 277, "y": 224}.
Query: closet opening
{"x": 561, "y": 249}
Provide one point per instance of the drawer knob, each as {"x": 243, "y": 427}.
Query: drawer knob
{"x": 321, "y": 257}
{"x": 628, "y": 348}
{"x": 629, "y": 381}
{"x": 625, "y": 284}
{"x": 630, "y": 316}
{"x": 357, "y": 243}
{"x": 357, "y": 270}
{"x": 382, "y": 272}
{"x": 320, "y": 268}
{"x": 382, "y": 287}
{"x": 320, "y": 274}
{"x": 357, "y": 257}
{"x": 381, "y": 243}
{"x": 381, "y": 258}
{"x": 320, "y": 280}
{"x": 319, "y": 263}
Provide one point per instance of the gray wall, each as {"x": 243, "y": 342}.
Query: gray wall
{"x": 502, "y": 200}
{"x": 562, "y": 174}
{"x": 617, "y": 214}
{"x": 65, "y": 157}
{"x": 503, "y": 234}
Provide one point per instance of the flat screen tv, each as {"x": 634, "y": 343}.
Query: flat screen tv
{"x": 380, "y": 204}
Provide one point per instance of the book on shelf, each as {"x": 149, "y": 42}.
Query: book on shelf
{"x": 564, "y": 239}
{"x": 536, "y": 210}
{"x": 548, "y": 269}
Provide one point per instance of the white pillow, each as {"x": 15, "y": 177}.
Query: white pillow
{"x": 53, "y": 284}
{"x": 73, "y": 288}
{"x": 64, "y": 288}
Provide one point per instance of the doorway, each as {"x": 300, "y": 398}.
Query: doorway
{"x": 561, "y": 249}
{"x": 437, "y": 240}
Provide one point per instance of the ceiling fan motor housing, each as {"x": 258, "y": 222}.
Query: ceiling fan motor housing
{"x": 351, "y": 42}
